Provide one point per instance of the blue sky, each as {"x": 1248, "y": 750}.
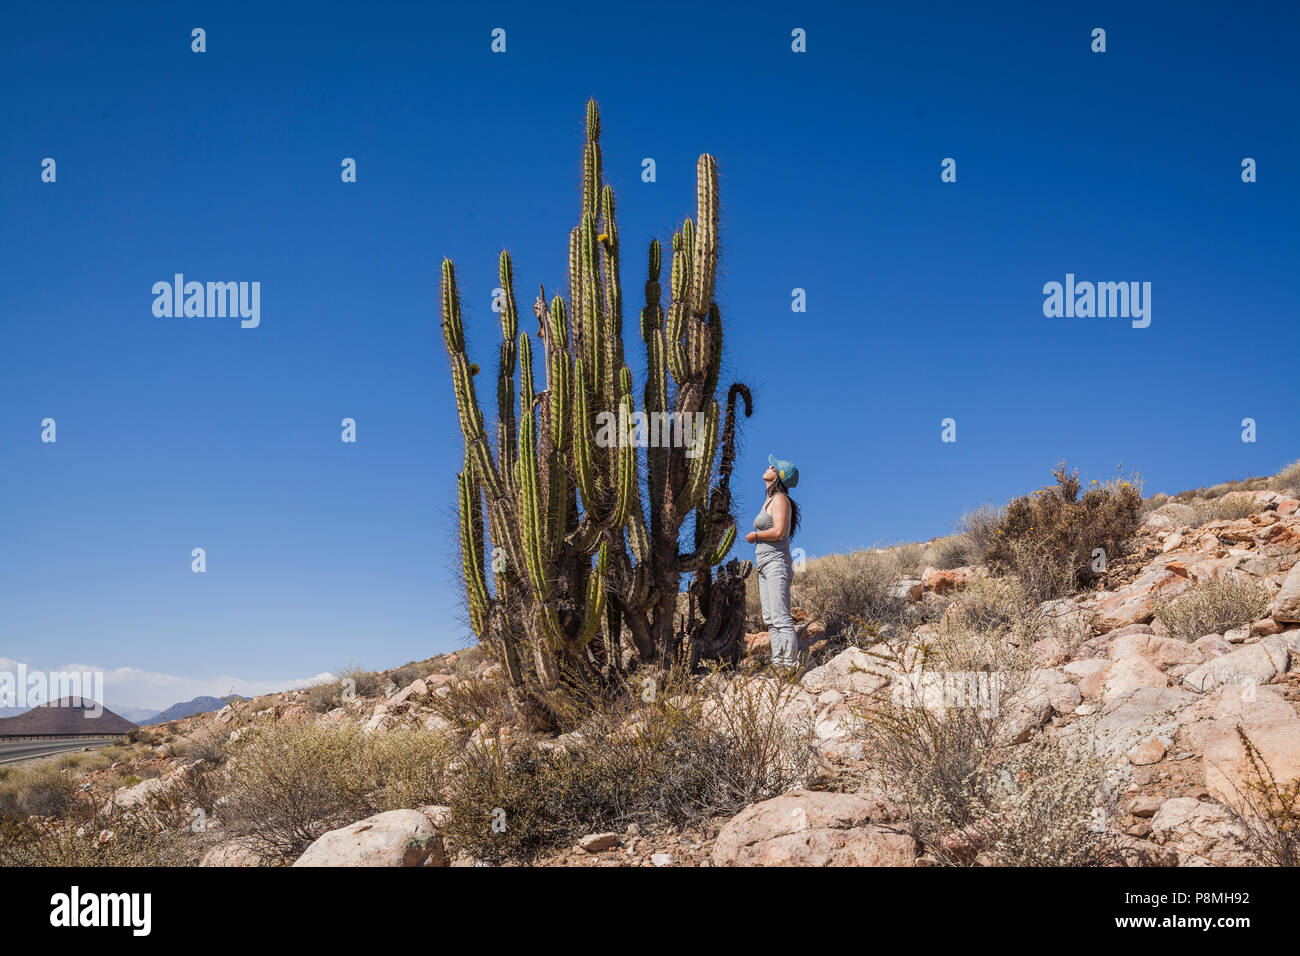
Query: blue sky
{"x": 924, "y": 299}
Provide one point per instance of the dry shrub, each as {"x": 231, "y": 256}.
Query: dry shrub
{"x": 944, "y": 752}
{"x": 327, "y": 695}
{"x": 1223, "y": 509}
{"x": 468, "y": 660}
{"x": 409, "y": 673}
{"x": 838, "y": 588}
{"x": 909, "y": 558}
{"x": 1267, "y": 811}
{"x": 286, "y": 784}
{"x": 83, "y": 840}
{"x": 468, "y": 704}
{"x": 953, "y": 551}
{"x": 1065, "y": 527}
{"x": 1050, "y": 806}
{"x": 979, "y": 528}
{"x": 1288, "y": 479}
{"x": 971, "y": 798}
{"x": 672, "y": 751}
{"x": 1213, "y": 607}
{"x": 1044, "y": 572}
{"x": 41, "y": 790}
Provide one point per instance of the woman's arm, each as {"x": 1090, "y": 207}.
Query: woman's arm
{"x": 779, "y": 509}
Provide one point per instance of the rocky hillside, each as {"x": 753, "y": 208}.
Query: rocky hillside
{"x": 1157, "y": 707}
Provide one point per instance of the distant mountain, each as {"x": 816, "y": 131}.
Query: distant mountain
{"x": 199, "y": 705}
{"x": 71, "y": 715}
{"x": 139, "y": 715}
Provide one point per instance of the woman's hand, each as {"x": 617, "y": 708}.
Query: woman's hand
{"x": 752, "y": 537}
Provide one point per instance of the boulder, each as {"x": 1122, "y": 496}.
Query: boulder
{"x": 907, "y": 589}
{"x": 1200, "y": 833}
{"x": 942, "y": 582}
{"x": 1267, "y": 719}
{"x": 1128, "y": 673}
{"x": 1135, "y": 715}
{"x": 1211, "y": 645}
{"x": 1249, "y": 664}
{"x": 851, "y": 671}
{"x": 394, "y": 838}
{"x": 1148, "y": 752}
{"x": 804, "y": 828}
{"x": 1171, "y": 515}
{"x": 231, "y": 854}
{"x": 1136, "y": 602}
{"x": 1163, "y": 652}
{"x": 1286, "y": 605}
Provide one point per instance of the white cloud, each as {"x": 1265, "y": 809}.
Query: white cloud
{"x": 132, "y": 687}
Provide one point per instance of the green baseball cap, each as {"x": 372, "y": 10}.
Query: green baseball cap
{"x": 785, "y": 470}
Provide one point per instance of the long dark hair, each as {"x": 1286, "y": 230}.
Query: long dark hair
{"x": 779, "y": 485}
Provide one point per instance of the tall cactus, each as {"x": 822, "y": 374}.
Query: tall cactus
{"x": 582, "y": 546}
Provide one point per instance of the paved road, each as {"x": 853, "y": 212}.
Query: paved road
{"x": 16, "y": 751}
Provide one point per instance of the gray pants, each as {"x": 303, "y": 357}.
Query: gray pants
{"x": 774, "y": 573}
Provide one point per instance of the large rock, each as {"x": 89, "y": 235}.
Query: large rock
{"x": 1163, "y": 652}
{"x": 1128, "y": 673}
{"x": 395, "y": 838}
{"x": 1136, "y": 602}
{"x": 231, "y": 854}
{"x": 1171, "y": 515}
{"x": 1286, "y": 606}
{"x": 1267, "y": 719}
{"x": 1251, "y": 664}
{"x": 803, "y": 828}
{"x": 1200, "y": 833}
{"x": 851, "y": 671}
{"x": 1134, "y": 716}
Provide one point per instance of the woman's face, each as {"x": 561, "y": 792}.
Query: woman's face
{"x": 770, "y": 475}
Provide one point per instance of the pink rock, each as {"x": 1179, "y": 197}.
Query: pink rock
{"x": 1148, "y": 752}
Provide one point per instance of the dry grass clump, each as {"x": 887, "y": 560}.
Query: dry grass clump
{"x": 327, "y": 695}
{"x": 670, "y": 750}
{"x": 1213, "y": 607}
{"x": 1286, "y": 479}
{"x": 979, "y": 529}
{"x": 838, "y": 588}
{"x": 952, "y": 551}
{"x": 41, "y": 789}
{"x": 1224, "y": 509}
{"x": 1064, "y": 526}
{"x": 84, "y": 840}
{"x": 286, "y": 784}
{"x": 945, "y": 752}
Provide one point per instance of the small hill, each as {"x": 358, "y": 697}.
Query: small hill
{"x": 71, "y": 715}
{"x": 190, "y": 708}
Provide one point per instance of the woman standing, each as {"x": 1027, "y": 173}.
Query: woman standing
{"x": 775, "y": 525}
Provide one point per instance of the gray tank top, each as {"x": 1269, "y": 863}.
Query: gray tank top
{"x": 767, "y": 549}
